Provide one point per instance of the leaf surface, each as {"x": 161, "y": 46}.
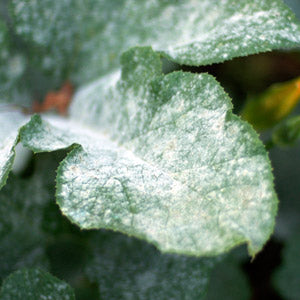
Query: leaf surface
{"x": 10, "y": 122}
{"x": 161, "y": 158}
{"x": 31, "y": 284}
{"x": 185, "y": 31}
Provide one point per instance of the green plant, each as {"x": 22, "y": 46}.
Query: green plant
{"x": 151, "y": 161}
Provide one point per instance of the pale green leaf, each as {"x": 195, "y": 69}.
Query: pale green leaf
{"x": 161, "y": 158}
{"x": 186, "y": 31}
{"x": 287, "y": 277}
{"x": 29, "y": 284}
{"x": 125, "y": 268}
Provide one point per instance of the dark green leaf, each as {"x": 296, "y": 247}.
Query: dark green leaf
{"x": 126, "y": 268}
{"x": 287, "y": 277}
{"x": 29, "y": 284}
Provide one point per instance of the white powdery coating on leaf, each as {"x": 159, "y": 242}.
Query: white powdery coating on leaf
{"x": 94, "y": 34}
{"x": 10, "y": 122}
{"x": 189, "y": 32}
{"x": 169, "y": 164}
{"x": 86, "y": 112}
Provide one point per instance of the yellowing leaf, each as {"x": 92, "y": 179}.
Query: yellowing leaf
{"x": 273, "y": 105}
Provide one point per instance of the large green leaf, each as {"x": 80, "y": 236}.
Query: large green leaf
{"x": 186, "y": 31}
{"x": 125, "y": 268}
{"x": 29, "y": 284}
{"x": 161, "y": 158}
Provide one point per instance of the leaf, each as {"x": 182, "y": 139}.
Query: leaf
{"x": 274, "y": 104}
{"x": 287, "y": 277}
{"x": 10, "y": 122}
{"x": 287, "y": 133}
{"x": 161, "y": 158}
{"x": 31, "y": 284}
{"x": 184, "y": 31}
{"x": 126, "y": 268}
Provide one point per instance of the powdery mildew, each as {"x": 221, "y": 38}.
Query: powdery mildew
{"x": 10, "y": 122}
{"x": 164, "y": 159}
{"x": 187, "y": 31}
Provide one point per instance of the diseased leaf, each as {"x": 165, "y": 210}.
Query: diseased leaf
{"x": 126, "y": 268}
{"x": 161, "y": 158}
{"x": 31, "y": 284}
{"x": 186, "y": 31}
{"x": 287, "y": 277}
{"x": 10, "y": 122}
